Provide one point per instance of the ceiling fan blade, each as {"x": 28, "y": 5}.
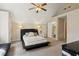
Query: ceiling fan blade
{"x": 44, "y": 4}
{"x": 34, "y": 4}
{"x": 43, "y": 9}
{"x": 31, "y": 8}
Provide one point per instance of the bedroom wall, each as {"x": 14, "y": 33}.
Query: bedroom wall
{"x": 17, "y": 26}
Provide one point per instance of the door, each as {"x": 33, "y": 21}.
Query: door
{"x": 4, "y": 27}
{"x": 62, "y": 28}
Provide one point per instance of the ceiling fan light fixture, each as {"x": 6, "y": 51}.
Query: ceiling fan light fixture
{"x": 38, "y": 9}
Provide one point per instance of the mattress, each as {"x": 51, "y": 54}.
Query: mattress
{"x": 33, "y": 40}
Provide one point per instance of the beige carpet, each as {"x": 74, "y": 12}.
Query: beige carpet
{"x": 54, "y": 49}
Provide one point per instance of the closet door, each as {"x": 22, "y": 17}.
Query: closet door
{"x": 4, "y": 27}
{"x": 73, "y": 26}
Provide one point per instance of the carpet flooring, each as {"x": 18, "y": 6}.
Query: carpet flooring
{"x": 54, "y": 49}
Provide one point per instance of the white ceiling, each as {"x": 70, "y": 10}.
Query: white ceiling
{"x": 20, "y": 12}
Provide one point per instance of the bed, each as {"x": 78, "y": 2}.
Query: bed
{"x": 70, "y": 49}
{"x": 31, "y": 42}
{"x": 4, "y": 48}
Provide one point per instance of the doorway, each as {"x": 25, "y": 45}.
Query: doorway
{"x": 52, "y": 30}
{"x": 62, "y": 28}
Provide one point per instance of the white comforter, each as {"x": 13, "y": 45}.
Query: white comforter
{"x": 33, "y": 40}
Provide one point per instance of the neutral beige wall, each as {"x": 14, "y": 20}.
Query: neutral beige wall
{"x": 16, "y": 29}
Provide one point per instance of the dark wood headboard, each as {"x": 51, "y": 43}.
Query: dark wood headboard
{"x": 23, "y": 31}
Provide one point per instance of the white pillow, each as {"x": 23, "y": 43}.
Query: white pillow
{"x": 26, "y": 34}
{"x": 31, "y": 34}
{"x": 2, "y": 52}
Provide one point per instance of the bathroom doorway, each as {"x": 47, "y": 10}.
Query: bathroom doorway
{"x": 62, "y": 28}
{"x": 52, "y": 30}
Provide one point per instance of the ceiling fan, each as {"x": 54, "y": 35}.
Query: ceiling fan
{"x": 38, "y": 7}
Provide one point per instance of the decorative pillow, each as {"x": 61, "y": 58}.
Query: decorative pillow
{"x": 31, "y": 34}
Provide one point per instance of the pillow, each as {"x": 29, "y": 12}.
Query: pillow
{"x": 2, "y": 52}
{"x": 26, "y": 34}
{"x": 31, "y": 34}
